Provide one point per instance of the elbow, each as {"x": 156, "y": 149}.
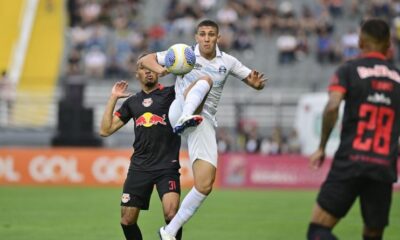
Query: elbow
{"x": 104, "y": 133}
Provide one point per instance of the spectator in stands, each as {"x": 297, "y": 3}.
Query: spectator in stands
{"x": 224, "y": 141}
{"x": 335, "y": 8}
{"x": 325, "y": 47}
{"x": 287, "y": 45}
{"x": 269, "y": 147}
{"x": 227, "y": 15}
{"x": 243, "y": 41}
{"x": 293, "y": 142}
{"x": 253, "y": 141}
{"x": 95, "y": 62}
{"x": 350, "y": 44}
{"x": 74, "y": 62}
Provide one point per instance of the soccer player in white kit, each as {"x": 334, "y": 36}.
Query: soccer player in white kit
{"x": 199, "y": 92}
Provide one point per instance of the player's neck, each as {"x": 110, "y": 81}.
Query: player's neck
{"x": 209, "y": 56}
{"x": 148, "y": 90}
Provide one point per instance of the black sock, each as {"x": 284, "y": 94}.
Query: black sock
{"x": 372, "y": 238}
{"x": 132, "y": 232}
{"x": 178, "y": 234}
{"x": 316, "y": 231}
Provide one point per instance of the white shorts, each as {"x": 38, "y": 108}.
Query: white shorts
{"x": 202, "y": 142}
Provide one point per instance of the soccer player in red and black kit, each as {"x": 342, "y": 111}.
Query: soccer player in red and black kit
{"x": 155, "y": 160}
{"x": 365, "y": 163}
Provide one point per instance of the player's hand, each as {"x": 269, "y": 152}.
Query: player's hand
{"x": 317, "y": 159}
{"x": 257, "y": 80}
{"x": 164, "y": 72}
{"x": 119, "y": 90}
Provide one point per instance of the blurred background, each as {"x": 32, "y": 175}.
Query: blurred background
{"x": 60, "y": 58}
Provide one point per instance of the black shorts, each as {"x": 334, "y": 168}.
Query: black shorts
{"x": 337, "y": 197}
{"x": 139, "y": 185}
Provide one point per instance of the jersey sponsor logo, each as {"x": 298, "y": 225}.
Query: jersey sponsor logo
{"x": 125, "y": 197}
{"x": 382, "y": 85}
{"x": 54, "y": 169}
{"x": 109, "y": 170}
{"x": 149, "y": 119}
{"x": 369, "y": 159}
{"x": 222, "y": 69}
{"x": 147, "y": 102}
{"x": 379, "y": 98}
{"x": 7, "y": 171}
{"x": 378, "y": 71}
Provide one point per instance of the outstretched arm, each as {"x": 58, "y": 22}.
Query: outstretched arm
{"x": 329, "y": 119}
{"x": 256, "y": 80}
{"x": 111, "y": 123}
{"x": 150, "y": 62}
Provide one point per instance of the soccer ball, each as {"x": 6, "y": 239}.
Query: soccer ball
{"x": 180, "y": 59}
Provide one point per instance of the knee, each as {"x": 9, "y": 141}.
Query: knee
{"x": 126, "y": 220}
{"x": 205, "y": 187}
{"x": 208, "y": 79}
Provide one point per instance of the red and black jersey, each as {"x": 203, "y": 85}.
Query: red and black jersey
{"x": 371, "y": 120}
{"x": 155, "y": 146}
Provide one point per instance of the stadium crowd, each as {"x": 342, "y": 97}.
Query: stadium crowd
{"x": 106, "y": 36}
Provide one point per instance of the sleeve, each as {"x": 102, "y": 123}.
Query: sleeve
{"x": 239, "y": 70}
{"x": 339, "y": 80}
{"x": 161, "y": 57}
{"x": 124, "y": 112}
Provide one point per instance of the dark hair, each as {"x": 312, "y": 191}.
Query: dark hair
{"x": 142, "y": 55}
{"x": 377, "y": 29}
{"x": 208, "y": 23}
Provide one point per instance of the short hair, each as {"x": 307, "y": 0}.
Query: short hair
{"x": 207, "y": 23}
{"x": 142, "y": 55}
{"x": 376, "y": 29}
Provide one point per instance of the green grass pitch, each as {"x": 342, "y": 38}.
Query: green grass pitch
{"x": 66, "y": 213}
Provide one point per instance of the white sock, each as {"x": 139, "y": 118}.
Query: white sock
{"x": 189, "y": 206}
{"x": 195, "y": 96}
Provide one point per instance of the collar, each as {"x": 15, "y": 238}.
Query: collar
{"x": 374, "y": 55}
{"x": 197, "y": 51}
{"x": 159, "y": 87}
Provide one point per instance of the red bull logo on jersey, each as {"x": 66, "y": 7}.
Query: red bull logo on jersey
{"x": 149, "y": 119}
{"x": 378, "y": 71}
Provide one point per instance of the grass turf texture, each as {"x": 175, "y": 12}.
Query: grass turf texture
{"x": 66, "y": 213}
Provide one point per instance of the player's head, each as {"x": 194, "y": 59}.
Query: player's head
{"x": 207, "y": 35}
{"x": 146, "y": 77}
{"x": 375, "y": 36}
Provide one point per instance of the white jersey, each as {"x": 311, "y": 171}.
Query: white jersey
{"x": 218, "y": 69}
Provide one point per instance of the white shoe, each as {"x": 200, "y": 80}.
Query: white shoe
{"x": 185, "y": 122}
{"x": 164, "y": 235}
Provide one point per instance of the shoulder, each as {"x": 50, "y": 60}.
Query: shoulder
{"x": 227, "y": 56}
{"x": 345, "y": 66}
{"x": 133, "y": 98}
{"x": 168, "y": 90}
{"x": 392, "y": 66}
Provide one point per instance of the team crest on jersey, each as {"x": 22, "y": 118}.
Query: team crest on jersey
{"x": 147, "y": 102}
{"x": 222, "y": 69}
{"x": 125, "y": 197}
